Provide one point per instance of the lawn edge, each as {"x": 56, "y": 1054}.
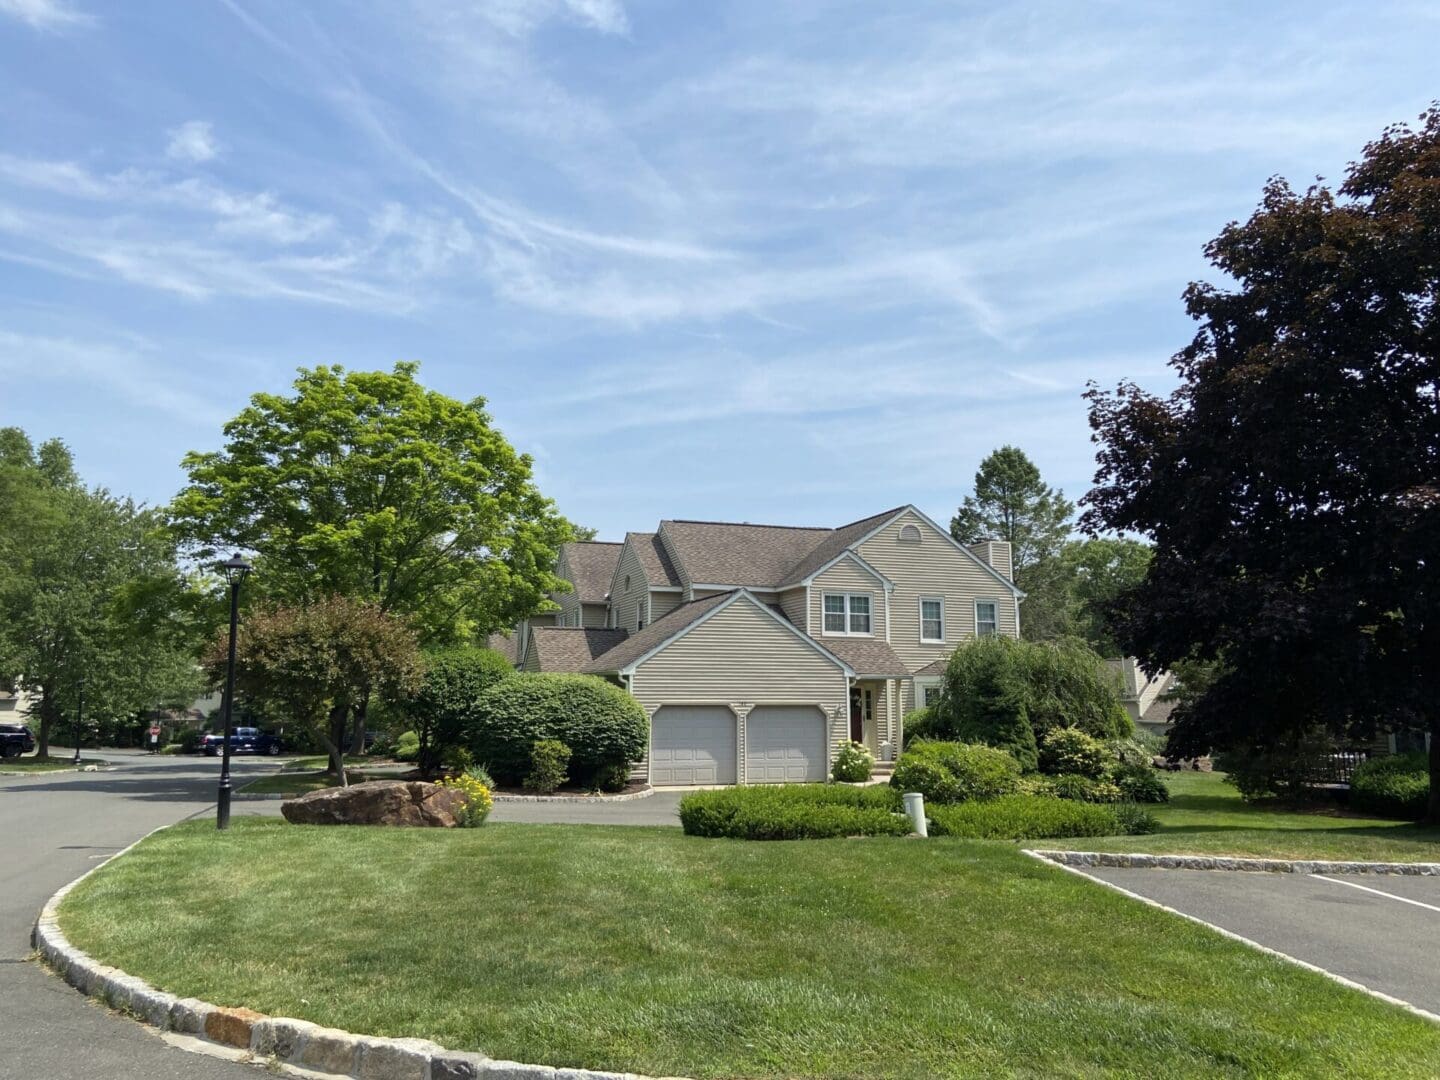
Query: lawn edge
{"x": 1248, "y": 864}
{"x": 1044, "y": 857}
{"x": 297, "y": 1047}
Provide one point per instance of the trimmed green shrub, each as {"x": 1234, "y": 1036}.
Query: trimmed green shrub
{"x": 1035, "y": 784}
{"x": 548, "y": 759}
{"x": 1087, "y": 789}
{"x": 1069, "y": 750}
{"x": 189, "y": 741}
{"x": 1140, "y": 783}
{"x": 1024, "y": 817}
{"x": 1009, "y": 693}
{"x": 948, "y": 772}
{"x": 612, "y": 778}
{"x": 407, "y": 746}
{"x": 793, "y": 812}
{"x": 920, "y": 724}
{"x": 454, "y": 679}
{"x": 1285, "y": 770}
{"x": 1395, "y": 786}
{"x": 853, "y": 764}
{"x": 1134, "y": 819}
{"x": 601, "y": 723}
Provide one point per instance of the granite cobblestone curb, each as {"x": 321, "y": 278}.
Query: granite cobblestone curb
{"x": 296, "y": 1047}
{"x": 629, "y": 796}
{"x": 1224, "y": 862}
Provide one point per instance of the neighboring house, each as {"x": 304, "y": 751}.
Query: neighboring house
{"x": 1149, "y": 699}
{"x": 14, "y": 705}
{"x": 758, "y": 650}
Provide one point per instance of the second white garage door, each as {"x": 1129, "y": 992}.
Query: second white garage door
{"x": 692, "y": 744}
{"x": 784, "y": 744}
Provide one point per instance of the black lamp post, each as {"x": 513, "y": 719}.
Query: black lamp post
{"x": 236, "y": 570}
{"x": 79, "y": 716}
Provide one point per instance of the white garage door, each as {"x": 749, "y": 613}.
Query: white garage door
{"x": 692, "y": 744}
{"x": 784, "y": 744}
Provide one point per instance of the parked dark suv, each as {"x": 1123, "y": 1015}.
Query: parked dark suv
{"x": 245, "y": 740}
{"x": 15, "y": 739}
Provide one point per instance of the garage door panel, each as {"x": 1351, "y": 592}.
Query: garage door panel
{"x": 692, "y": 744}
{"x": 784, "y": 744}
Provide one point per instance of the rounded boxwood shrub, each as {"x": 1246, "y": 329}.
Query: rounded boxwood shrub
{"x": 601, "y": 723}
{"x": 947, "y": 772}
{"x": 921, "y": 724}
{"x": 1395, "y": 786}
{"x": 1068, "y": 750}
{"x": 853, "y": 764}
{"x": 1140, "y": 783}
{"x": 439, "y": 708}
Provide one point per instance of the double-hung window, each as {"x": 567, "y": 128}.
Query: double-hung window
{"x": 987, "y": 618}
{"x": 932, "y": 618}
{"x": 847, "y": 613}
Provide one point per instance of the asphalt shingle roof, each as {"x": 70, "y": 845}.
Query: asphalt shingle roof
{"x": 650, "y": 550}
{"x": 639, "y": 643}
{"x": 833, "y": 544}
{"x": 505, "y": 645}
{"x": 753, "y": 556}
{"x": 571, "y": 648}
{"x": 868, "y": 656}
{"x": 592, "y": 568}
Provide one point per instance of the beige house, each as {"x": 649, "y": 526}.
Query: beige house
{"x": 758, "y": 650}
{"x": 1148, "y": 698}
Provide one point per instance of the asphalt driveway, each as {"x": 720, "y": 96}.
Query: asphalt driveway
{"x": 1382, "y": 931}
{"x": 57, "y": 826}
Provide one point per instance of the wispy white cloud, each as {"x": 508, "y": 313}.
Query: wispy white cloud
{"x": 45, "y": 14}
{"x": 193, "y": 141}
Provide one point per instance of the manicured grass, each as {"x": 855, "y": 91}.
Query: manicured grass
{"x": 1206, "y": 816}
{"x": 22, "y": 766}
{"x": 320, "y": 761}
{"x": 646, "y": 950}
{"x": 288, "y": 783}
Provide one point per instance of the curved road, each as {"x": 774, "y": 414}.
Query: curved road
{"x": 52, "y": 829}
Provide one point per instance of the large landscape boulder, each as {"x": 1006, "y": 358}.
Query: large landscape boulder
{"x": 378, "y": 802}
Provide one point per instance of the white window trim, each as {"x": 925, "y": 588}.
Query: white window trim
{"x": 921, "y": 684}
{"x": 920, "y": 606}
{"x": 995, "y": 604}
{"x": 847, "y": 632}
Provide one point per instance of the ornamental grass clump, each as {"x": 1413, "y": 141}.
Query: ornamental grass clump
{"x": 479, "y": 800}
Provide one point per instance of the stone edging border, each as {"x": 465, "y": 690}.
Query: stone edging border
{"x": 629, "y": 796}
{"x": 1225, "y": 862}
{"x": 298, "y": 1047}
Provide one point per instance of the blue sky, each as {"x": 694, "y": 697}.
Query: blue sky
{"x": 789, "y": 262}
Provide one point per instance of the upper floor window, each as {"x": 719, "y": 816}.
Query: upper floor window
{"x": 847, "y": 613}
{"x": 987, "y": 618}
{"x": 927, "y": 692}
{"x": 627, "y": 582}
{"x": 932, "y": 618}
{"x": 909, "y": 534}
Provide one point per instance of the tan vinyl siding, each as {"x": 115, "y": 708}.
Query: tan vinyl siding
{"x": 532, "y": 660}
{"x": 741, "y": 656}
{"x": 847, "y": 577}
{"x": 596, "y": 615}
{"x": 933, "y": 567}
{"x": 662, "y": 603}
{"x": 997, "y": 554}
{"x": 626, "y": 604}
{"x": 792, "y": 602}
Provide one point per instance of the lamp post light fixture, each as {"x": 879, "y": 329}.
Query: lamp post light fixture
{"x": 79, "y": 717}
{"x": 236, "y": 570}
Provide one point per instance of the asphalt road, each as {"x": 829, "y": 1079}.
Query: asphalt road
{"x": 52, "y": 829}
{"x": 1382, "y": 932}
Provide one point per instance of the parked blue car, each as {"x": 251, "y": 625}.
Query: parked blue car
{"x": 245, "y": 740}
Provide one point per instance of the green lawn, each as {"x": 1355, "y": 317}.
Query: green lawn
{"x": 647, "y": 950}
{"x": 1206, "y": 816}
{"x": 320, "y": 761}
{"x": 24, "y": 766}
{"x": 287, "y": 783}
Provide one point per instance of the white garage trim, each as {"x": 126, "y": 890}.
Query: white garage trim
{"x": 787, "y": 744}
{"x": 701, "y": 749}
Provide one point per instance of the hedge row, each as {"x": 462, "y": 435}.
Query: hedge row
{"x": 1037, "y": 817}
{"x": 793, "y": 812}
{"x": 1395, "y": 786}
